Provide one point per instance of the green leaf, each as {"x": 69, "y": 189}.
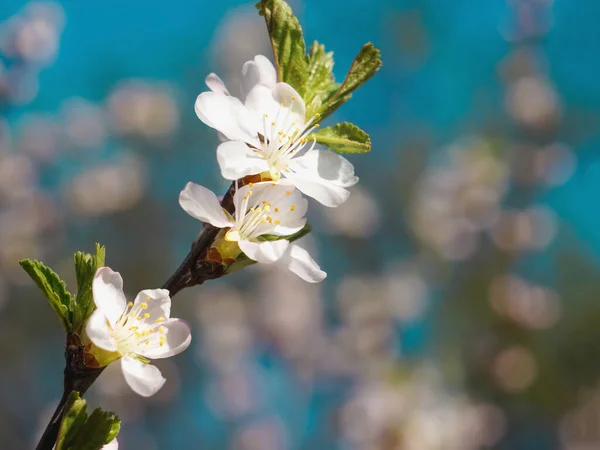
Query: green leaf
{"x": 80, "y": 432}
{"x": 320, "y": 84}
{"x": 364, "y": 66}
{"x": 344, "y": 138}
{"x": 53, "y": 288}
{"x": 288, "y": 44}
{"x": 72, "y": 422}
{"x": 85, "y": 269}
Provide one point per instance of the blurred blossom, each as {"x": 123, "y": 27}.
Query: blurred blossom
{"x": 530, "y": 18}
{"x": 116, "y": 395}
{"x": 406, "y": 292}
{"x": 5, "y": 137}
{"x": 532, "y": 229}
{"x": 234, "y": 394}
{"x": 84, "y": 125}
{"x": 107, "y": 188}
{"x": 515, "y": 369}
{"x": 578, "y": 430}
{"x": 369, "y": 327}
{"x": 239, "y": 37}
{"x": 142, "y": 109}
{"x": 530, "y": 306}
{"x": 418, "y": 414}
{"x": 358, "y": 217}
{"x": 533, "y": 101}
{"x": 454, "y": 202}
{"x": 18, "y": 176}
{"x": 555, "y": 164}
{"x": 38, "y": 136}
{"x": 33, "y": 35}
{"x": 289, "y": 311}
{"x": 226, "y": 334}
{"x": 22, "y": 85}
{"x": 261, "y": 434}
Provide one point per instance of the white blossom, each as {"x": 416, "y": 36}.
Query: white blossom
{"x": 269, "y": 132}
{"x": 137, "y": 331}
{"x": 260, "y": 209}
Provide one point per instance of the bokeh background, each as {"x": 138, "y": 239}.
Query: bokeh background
{"x": 462, "y": 306}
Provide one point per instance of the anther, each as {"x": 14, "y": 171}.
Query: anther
{"x": 276, "y": 209}
{"x": 294, "y": 98}
{"x": 146, "y": 315}
{"x": 160, "y": 319}
{"x": 288, "y": 193}
{"x": 292, "y": 208}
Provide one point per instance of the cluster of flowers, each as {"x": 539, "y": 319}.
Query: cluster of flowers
{"x": 265, "y": 137}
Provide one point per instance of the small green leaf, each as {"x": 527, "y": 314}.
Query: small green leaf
{"x": 344, "y": 138}
{"x": 364, "y": 66}
{"x": 80, "y": 432}
{"x": 72, "y": 422}
{"x": 320, "y": 84}
{"x": 288, "y": 44}
{"x": 53, "y": 288}
{"x": 85, "y": 269}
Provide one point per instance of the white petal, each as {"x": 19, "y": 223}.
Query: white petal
{"x": 260, "y": 100}
{"x": 289, "y": 210}
{"x": 329, "y": 166}
{"x": 203, "y": 204}
{"x": 258, "y": 71}
{"x": 112, "y": 445}
{"x": 237, "y": 160}
{"x": 299, "y": 261}
{"x": 158, "y": 301}
{"x": 286, "y": 94}
{"x": 144, "y": 379}
{"x": 324, "y": 191}
{"x": 229, "y": 116}
{"x": 178, "y": 339}
{"x": 282, "y": 104}
{"x": 215, "y": 84}
{"x": 264, "y": 252}
{"x": 107, "y": 289}
{"x": 98, "y": 330}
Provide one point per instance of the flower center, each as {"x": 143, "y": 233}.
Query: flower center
{"x": 133, "y": 332}
{"x": 283, "y": 140}
{"x": 253, "y": 221}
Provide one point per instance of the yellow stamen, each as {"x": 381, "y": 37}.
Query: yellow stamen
{"x": 292, "y": 208}
{"x": 144, "y": 305}
{"x": 276, "y": 209}
{"x": 288, "y": 193}
{"x": 160, "y": 319}
{"x": 146, "y": 315}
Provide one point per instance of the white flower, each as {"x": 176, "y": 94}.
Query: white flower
{"x": 269, "y": 132}
{"x": 112, "y": 445}
{"x": 137, "y": 331}
{"x": 260, "y": 209}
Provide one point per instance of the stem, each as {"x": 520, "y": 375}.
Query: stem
{"x": 77, "y": 377}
